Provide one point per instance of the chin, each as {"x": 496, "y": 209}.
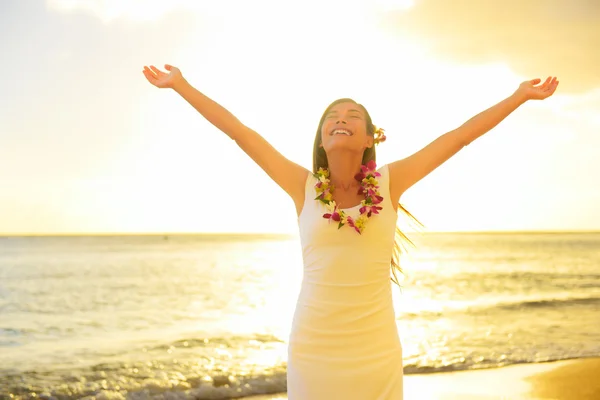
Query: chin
{"x": 343, "y": 147}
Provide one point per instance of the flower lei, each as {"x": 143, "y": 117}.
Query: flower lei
{"x": 369, "y": 187}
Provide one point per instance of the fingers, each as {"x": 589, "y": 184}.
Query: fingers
{"x": 543, "y": 87}
{"x": 150, "y": 76}
{"x": 156, "y": 70}
{"x": 547, "y": 83}
{"x": 546, "y": 89}
{"x": 550, "y": 84}
{"x": 549, "y": 89}
{"x": 147, "y": 71}
{"x": 553, "y": 86}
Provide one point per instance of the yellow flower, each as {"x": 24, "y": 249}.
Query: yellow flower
{"x": 323, "y": 174}
{"x": 361, "y": 221}
{"x": 370, "y": 181}
{"x": 343, "y": 217}
{"x": 330, "y": 206}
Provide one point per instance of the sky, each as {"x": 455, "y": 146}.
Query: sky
{"x": 87, "y": 145}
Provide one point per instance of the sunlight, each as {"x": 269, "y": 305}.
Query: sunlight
{"x": 151, "y": 10}
{"x": 108, "y": 10}
{"x": 277, "y": 75}
{"x": 389, "y": 5}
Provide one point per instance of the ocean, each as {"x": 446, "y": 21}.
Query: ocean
{"x": 207, "y": 316}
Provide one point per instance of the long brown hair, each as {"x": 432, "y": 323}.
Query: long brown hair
{"x": 320, "y": 161}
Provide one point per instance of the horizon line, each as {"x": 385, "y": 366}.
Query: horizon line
{"x": 531, "y": 231}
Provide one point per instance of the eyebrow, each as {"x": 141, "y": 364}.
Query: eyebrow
{"x": 351, "y": 110}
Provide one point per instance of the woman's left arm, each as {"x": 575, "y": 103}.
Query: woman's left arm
{"x": 408, "y": 171}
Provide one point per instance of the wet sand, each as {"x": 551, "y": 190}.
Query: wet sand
{"x": 576, "y": 379}
{"x": 561, "y": 380}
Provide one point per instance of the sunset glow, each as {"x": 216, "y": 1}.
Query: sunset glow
{"x": 88, "y": 146}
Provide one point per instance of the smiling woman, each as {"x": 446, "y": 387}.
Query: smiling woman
{"x": 344, "y": 342}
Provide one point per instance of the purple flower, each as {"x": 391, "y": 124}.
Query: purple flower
{"x": 370, "y": 209}
{"x": 333, "y": 216}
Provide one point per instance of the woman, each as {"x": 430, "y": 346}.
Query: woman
{"x": 344, "y": 342}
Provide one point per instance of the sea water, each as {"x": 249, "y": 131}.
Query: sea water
{"x": 207, "y": 316}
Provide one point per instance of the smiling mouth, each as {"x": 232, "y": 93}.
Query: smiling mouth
{"x": 345, "y": 132}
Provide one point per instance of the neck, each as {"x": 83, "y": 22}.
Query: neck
{"x": 343, "y": 168}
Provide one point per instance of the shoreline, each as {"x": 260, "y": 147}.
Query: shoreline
{"x": 573, "y": 379}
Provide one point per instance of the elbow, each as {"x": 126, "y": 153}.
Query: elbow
{"x": 462, "y": 138}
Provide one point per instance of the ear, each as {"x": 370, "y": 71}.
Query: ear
{"x": 369, "y": 142}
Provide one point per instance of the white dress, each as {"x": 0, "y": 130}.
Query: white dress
{"x": 344, "y": 341}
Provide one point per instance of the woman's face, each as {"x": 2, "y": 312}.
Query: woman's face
{"x": 345, "y": 127}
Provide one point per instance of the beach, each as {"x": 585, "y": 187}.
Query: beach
{"x": 207, "y": 317}
{"x": 558, "y": 380}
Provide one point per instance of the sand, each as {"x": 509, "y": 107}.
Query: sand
{"x": 561, "y": 380}
{"x": 577, "y": 379}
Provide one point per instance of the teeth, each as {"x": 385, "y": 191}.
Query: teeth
{"x": 342, "y": 131}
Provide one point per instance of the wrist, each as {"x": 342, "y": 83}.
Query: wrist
{"x": 179, "y": 84}
{"x": 519, "y": 97}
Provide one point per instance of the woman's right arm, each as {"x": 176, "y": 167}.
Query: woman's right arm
{"x": 290, "y": 176}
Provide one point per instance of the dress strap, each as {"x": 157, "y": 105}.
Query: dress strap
{"x": 384, "y": 181}
{"x": 309, "y": 187}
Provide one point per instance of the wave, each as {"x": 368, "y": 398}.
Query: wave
{"x": 490, "y": 364}
{"x": 550, "y": 303}
{"x": 517, "y": 305}
{"x": 111, "y": 383}
{"x": 115, "y": 384}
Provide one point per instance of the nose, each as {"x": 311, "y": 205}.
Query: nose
{"x": 340, "y": 121}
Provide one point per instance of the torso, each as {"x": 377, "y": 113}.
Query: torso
{"x": 344, "y": 330}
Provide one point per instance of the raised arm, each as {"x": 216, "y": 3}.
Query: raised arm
{"x": 408, "y": 171}
{"x": 290, "y": 176}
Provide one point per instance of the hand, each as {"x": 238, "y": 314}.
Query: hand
{"x": 528, "y": 91}
{"x": 161, "y": 79}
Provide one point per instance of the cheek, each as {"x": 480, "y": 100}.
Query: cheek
{"x": 324, "y": 129}
{"x": 360, "y": 128}
{"x": 324, "y": 139}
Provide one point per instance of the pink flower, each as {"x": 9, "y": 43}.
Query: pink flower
{"x": 359, "y": 177}
{"x": 334, "y": 216}
{"x": 372, "y": 192}
{"x": 376, "y": 199}
{"x": 366, "y": 170}
{"x": 370, "y": 169}
{"x": 370, "y": 210}
{"x": 352, "y": 223}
